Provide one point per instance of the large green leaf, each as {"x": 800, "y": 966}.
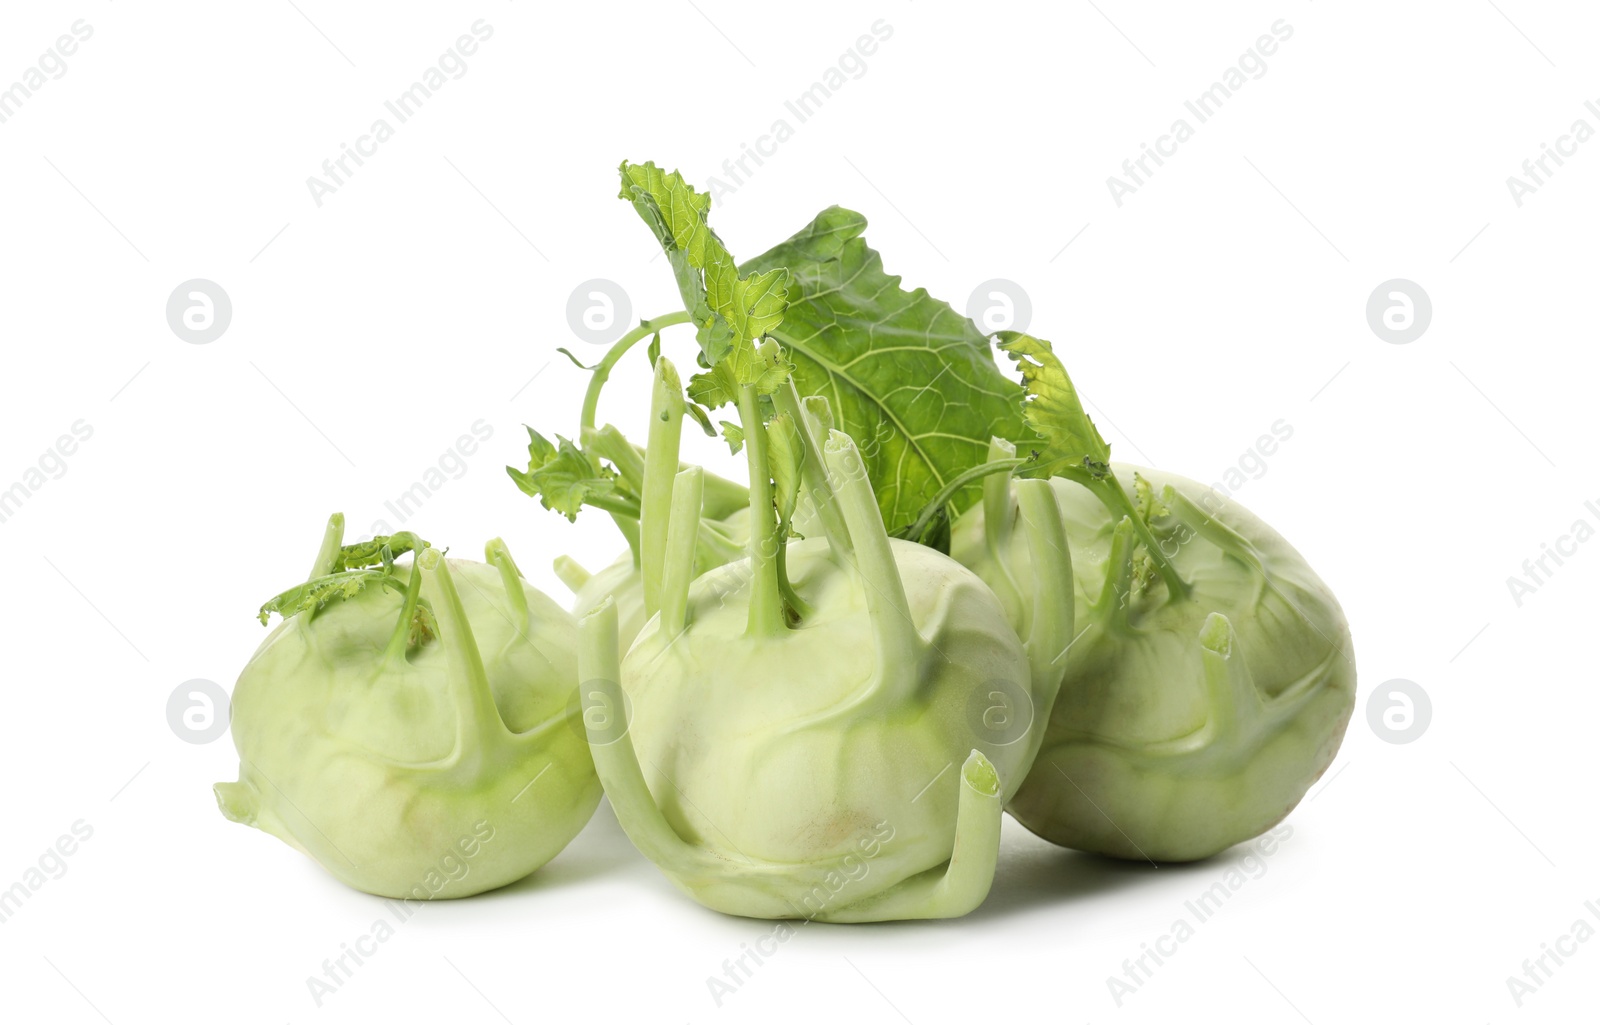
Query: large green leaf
{"x": 910, "y": 379}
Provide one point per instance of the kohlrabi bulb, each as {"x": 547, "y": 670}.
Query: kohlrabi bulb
{"x": 1186, "y": 722}
{"x": 843, "y": 760}
{"x": 413, "y": 732}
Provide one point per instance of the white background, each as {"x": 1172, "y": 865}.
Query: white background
{"x": 368, "y": 333}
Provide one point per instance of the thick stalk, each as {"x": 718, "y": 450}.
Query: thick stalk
{"x": 660, "y": 466}
{"x": 570, "y": 573}
{"x": 496, "y": 554}
{"x": 813, "y": 474}
{"x": 797, "y": 606}
{"x": 615, "y": 761}
{"x": 682, "y": 539}
{"x": 997, "y": 496}
{"x": 723, "y": 497}
{"x": 998, "y": 510}
{"x": 1211, "y": 528}
{"x": 1234, "y": 699}
{"x": 766, "y": 603}
{"x": 899, "y": 644}
{"x": 1050, "y": 633}
{"x": 479, "y": 728}
{"x": 602, "y": 370}
{"x": 400, "y": 639}
{"x": 1111, "y": 608}
{"x": 332, "y": 538}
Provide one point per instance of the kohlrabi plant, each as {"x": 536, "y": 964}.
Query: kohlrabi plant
{"x": 1212, "y": 674}
{"x": 906, "y": 376}
{"x": 413, "y": 729}
{"x": 843, "y": 760}
{"x": 827, "y": 727}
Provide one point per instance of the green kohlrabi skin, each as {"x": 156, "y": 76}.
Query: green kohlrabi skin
{"x": 795, "y": 752}
{"x": 848, "y": 768}
{"x": 425, "y": 770}
{"x": 1182, "y": 727}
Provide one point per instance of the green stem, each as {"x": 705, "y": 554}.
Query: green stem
{"x": 813, "y": 475}
{"x": 1111, "y": 608}
{"x": 791, "y": 599}
{"x": 479, "y": 728}
{"x": 1234, "y": 699}
{"x": 571, "y": 573}
{"x": 615, "y": 761}
{"x": 608, "y": 443}
{"x": 682, "y": 540}
{"x": 898, "y": 641}
{"x": 332, "y": 539}
{"x": 998, "y": 509}
{"x": 1053, "y": 611}
{"x": 723, "y": 497}
{"x": 1211, "y": 528}
{"x": 400, "y": 639}
{"x": 660, "y": 466}
{"x": 617, "y": 506}
{"x": 1109, "y": 490}
{"x": 602, "y": 370}
{"x": 766, "y": 601}
{"x": 496, "y": 554}
{"x": 997, "y": 497}
{"x": 961, "y": 480}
